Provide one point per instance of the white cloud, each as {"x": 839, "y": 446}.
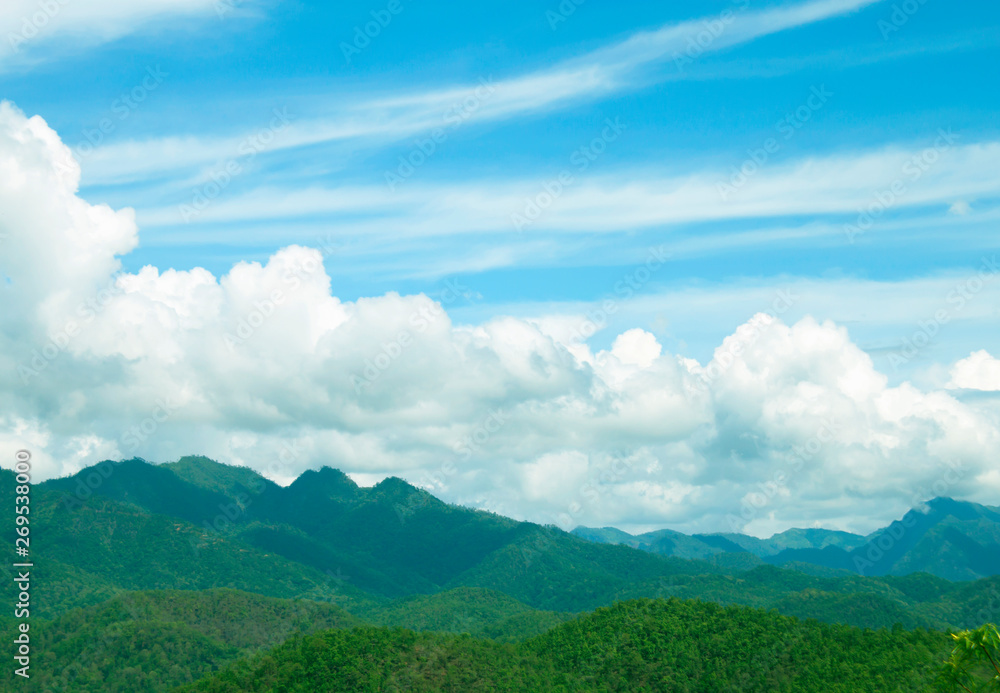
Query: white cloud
{"x": 960, "y": 208}
{"x": 33, "y": 28}
{"x": 634, "y": 199}
{"x": 265, "y": 367}
{"x": 980, "y": 371}
{"x": 597, "y": 73}
{"x": 637, "y": 347}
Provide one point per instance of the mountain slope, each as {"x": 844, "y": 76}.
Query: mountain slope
{"x": 478, "y": 612}
{"x": 155, "y": 641}
{"x": 703, "y": 546}
{"x": 327, "y": 539}
{"x": 643, "y": 645}
{"x": 951, "y": 539}
{"x": 86, "y": 551}
{"x": 391, "y": 539}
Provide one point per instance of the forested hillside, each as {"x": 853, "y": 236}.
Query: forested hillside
{"x": 646, "y": 645}
{"x": 197, "y": 524}
{"x": 154, "y": 641}
{"x": 148, "y": 577}
{"x": 951, "y": 539}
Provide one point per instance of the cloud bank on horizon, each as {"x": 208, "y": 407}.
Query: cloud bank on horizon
{"x": 729, "y": 272}
{"x": 788, "y": 423}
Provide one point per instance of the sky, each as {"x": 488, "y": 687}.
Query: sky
{"x": 724, "y": 266}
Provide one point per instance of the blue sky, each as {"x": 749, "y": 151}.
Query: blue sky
{"x": 254, "y": 126}
{"x": 698, "y": 109}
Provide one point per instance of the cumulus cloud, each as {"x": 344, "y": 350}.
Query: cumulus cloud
{"x": 788, "y": 424}
{"x": 980, "y": 371}
{"x": 636, "y": 347}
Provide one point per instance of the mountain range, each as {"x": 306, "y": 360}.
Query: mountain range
{"x": 951, "y": 539}
{"x": 211, "y": 564}
{"x": 198, "y": 524}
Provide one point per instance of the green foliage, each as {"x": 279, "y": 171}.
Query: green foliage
{"x": 950, "y": 539}
{"x": 552, "y": 570}
{"x": 692, "y": 646}
{"x": 229, "y": 480}
{"x": 381, "y": 659}
{"x": 475, "y": 611}
{"x": 644, "y": 645}
{"x": 325, "y": 538}
{"x": 155, "y": 641}
{"x": 494, "y": 599}
{"x": 864, "y": 609}
{"x": 974, "y": 664}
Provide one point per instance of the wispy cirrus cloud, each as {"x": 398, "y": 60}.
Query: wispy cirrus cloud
{"x": 881, "y": 181}
{"x": 32, "y": 31}
{"x": 614, "y": 68}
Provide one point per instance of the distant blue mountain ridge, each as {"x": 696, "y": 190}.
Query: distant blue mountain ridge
{"x": 952, "y": 539}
